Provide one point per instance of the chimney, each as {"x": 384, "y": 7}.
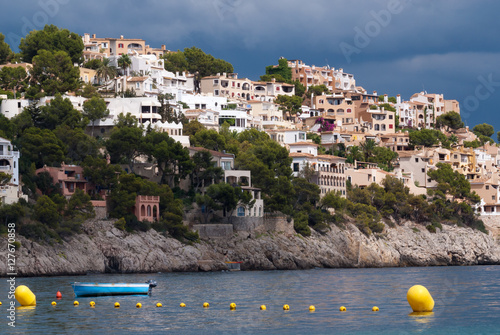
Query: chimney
{"x": 374, "y": 92}
{"x": 398, "y": 98}
{"x": 93, "y": 36}
{"x": 121, "y": 37}
{"x": 163, "y": 47}
{"x": 386, "y": 98}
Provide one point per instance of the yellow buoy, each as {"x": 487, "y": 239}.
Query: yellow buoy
{"x": 24, "y": 296}
{"x": 420, "y": 299}
{"x": 92, "y": 304}
{"x": 232, "y": 306}
{"x": 53, "y": 303}
{"x": 76, "y": 303}
{"x": 263, "y": 307}
{"x": 117, "y": 304}
{"x": 286, "y": 307}
{"x": 206, "y": 305}
{"x": 342, "y": 309}
{"x": 159, "y": 304}
{"x": 375, "y": 309}
{"x": 182, "y": 304}
{"x": 312, "y": 308}
{"x": 138, "y": 305}
{"x": 0, "y": 303}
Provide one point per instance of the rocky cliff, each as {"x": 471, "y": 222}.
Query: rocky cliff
{"x": 103, "y": 248}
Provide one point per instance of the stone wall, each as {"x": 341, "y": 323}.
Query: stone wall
{"x": 207, "y": 231}
{"x": 492, "y": 223}
{"x": 100, "y": 209}
{"x": 247, "y": 224}
{"x": 278, "y": 223}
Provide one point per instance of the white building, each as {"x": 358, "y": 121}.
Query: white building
{"x": 12, "y": 107}
{"x": 145, "y": 110}
{"x": 9, "y": 164}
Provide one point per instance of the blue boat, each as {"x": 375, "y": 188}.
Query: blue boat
{"x": 100, "y": 289}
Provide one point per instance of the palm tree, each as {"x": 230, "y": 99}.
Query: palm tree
{"x": 124, "y": 62}
{"x": 105, "y": 70}
{"x": 354, "y": 154}
{"x": 367, "y": 148}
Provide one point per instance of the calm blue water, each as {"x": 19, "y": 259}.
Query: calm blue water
{"x": 467, "y": 302}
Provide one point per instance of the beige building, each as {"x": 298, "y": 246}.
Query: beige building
{"x": 397, "y": 142}
{"x": 88, "y": 76}
{"x": 333, "y": 79}
{"x": 229, "y": 85}
{"x": 328, "y": 172}
{"x": 363, "y": 178}
{"x": 99, "y": 48}
{"x": 489, "y": 192}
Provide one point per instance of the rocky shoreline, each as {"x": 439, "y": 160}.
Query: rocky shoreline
{"x": 102, "y": 248}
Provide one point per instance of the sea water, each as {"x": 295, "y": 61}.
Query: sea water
{"x": 467, "y": 302}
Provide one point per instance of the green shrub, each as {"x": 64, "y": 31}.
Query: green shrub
{"x": 301, "y": 224}
{"x": 120, "y": 224}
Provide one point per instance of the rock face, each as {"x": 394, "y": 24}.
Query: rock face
{"x": 103, "y": 248}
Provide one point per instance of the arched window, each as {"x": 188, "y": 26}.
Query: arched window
{"x": 260, "y": 211}
{"x": 377, "y": 127}
{"x": 241, "y": 211}
{"x": 149, "y": 210}
{"x": 155, "y": 211}
{"x": 143, "y": 210}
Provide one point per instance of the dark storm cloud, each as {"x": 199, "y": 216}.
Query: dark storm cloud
{"x": 390, "y": 46}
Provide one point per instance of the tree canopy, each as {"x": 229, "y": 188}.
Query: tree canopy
{"x": 282, "y": 71}
{"x": 450, "y": 120}
{"x": 483, "y": 129}
{"x": 51, "y": 39}
{"x": 13, "y": 78}
{"x": 54, "y": 73}
{"x": 5, "y": 51}
{"x": 95, "y": 109}
{"x": 194, "y": 60}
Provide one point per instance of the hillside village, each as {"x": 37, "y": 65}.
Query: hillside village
{"x": 333, "y": 133}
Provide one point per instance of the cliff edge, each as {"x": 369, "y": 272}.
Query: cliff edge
{"x": 103, "y": 248}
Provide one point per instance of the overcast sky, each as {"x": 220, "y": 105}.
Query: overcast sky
{"x": 391, "y": 46}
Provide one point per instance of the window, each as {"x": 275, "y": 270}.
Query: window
{"x": 216, "y": 81}
{"x": 19, "y": 103}
{"x": 241, "y": 211}
{"x": 390, "y": 116}
{"x": 349, "y": 110}
{"x": 390, "y": 126}
{"x": 416, "y": 160}
{"x": 423, "y": 170}
{"x": 225, "y": 165}
{"x": 120, "y": 45}
{"x": 296, "y": 167}
{"x": 487, "y": 187}
{"x": 137, "y": 85}
{"x": 216, "y": 92}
